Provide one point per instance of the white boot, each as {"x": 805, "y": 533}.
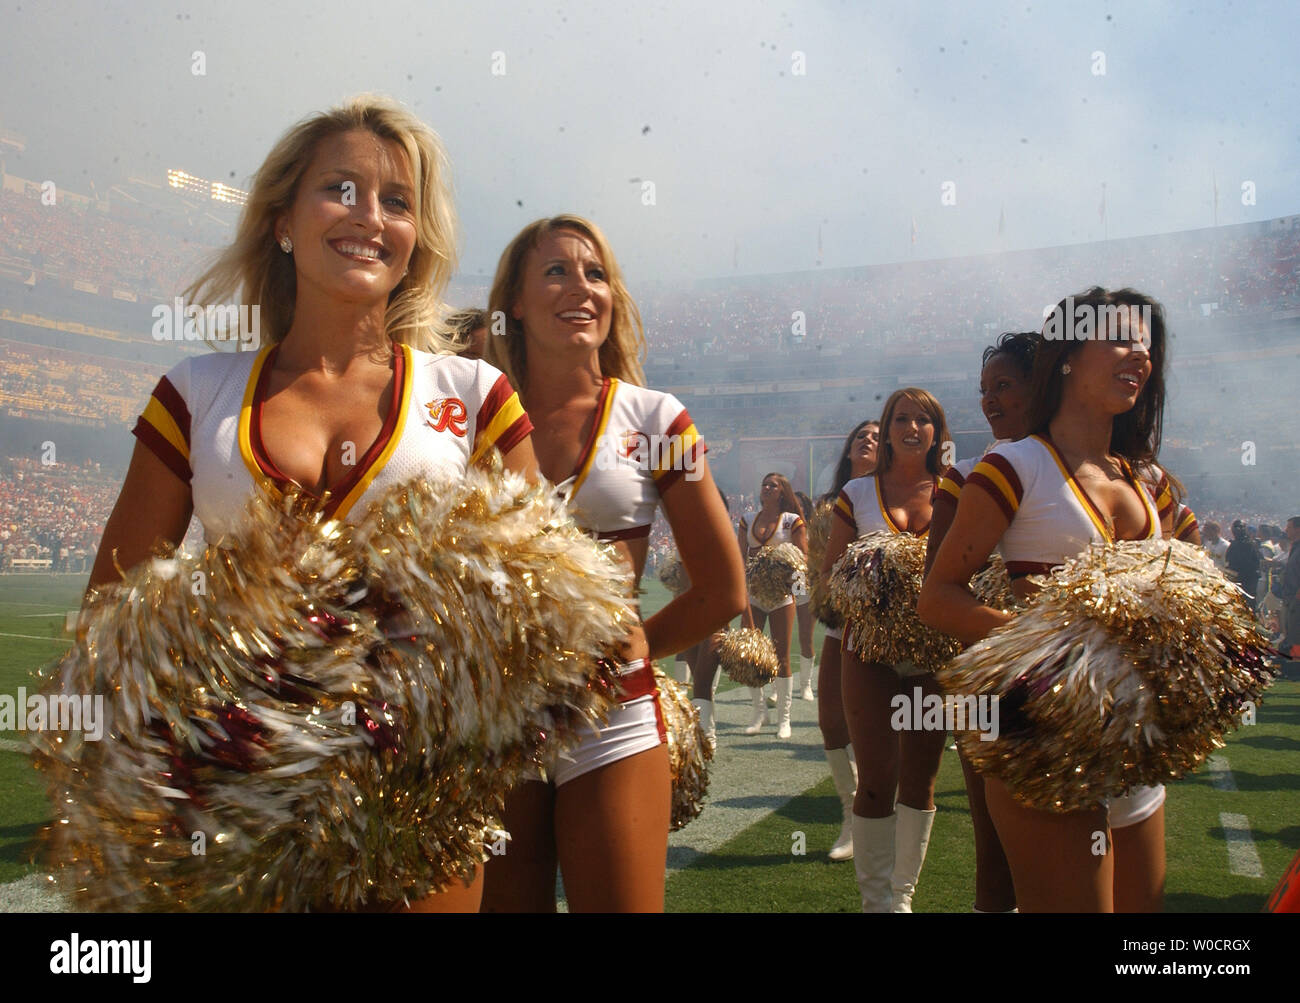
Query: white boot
{"x": 873, "y": 859}
{"x": 785, "y": 698}
{"x": 807, "y": 672}
{"x": 759, "y": 717}
{"x": 913, "y": 838}
{"x": 845, "y": 774}
{"x": 770, "y": 691}
{"x": 705, "y": 707}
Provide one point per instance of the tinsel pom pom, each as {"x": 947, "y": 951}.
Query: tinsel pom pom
{"x": 673, "y": 576}
{"x": 875, "y": 586}
{"x": 1127, "y": 668}
{"x": 772, "y": 572}
{"x": 320, "y": 715}
{"x": 689, "y": 750}
{"x": 819, "y": 534}
{"x": 748, "y": 657}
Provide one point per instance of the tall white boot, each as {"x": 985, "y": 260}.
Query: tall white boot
{"x": 759, "y": 717}
{"x": 705, "y": 707}
{"x": 873, "y": 860}
{"x": 682, "y": 672}
{"x": 845, "y": 774}
{"x": 770, "y": 692}
{"x": 785, "y": 698}
{"x": 807, "y": 672}
{"x": 913, "y": 838}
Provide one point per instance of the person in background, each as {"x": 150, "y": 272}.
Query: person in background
{"x": 1215, "y": 545}
{"x": 1290, "y": 593}
{"x": 1244, "y": 563}
{"x": 468, "y": 329}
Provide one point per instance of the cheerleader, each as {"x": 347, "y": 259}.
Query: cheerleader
{"x": 1095, "y": 412}
{"x": 857, "y": 459}
{"x": 1004, "y": 397}
{"x": 889, "y": 839}
{"x": 778, "y": 520}
{"x": 572, "y": 344}
{"x": 348, "y": 291}
{"x": 803, "y": 616}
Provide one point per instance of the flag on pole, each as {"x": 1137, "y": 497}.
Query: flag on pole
{"x": 913, "y": 229}
{"x": 1101, "y": 210}
{"x": 1215, "y": 178}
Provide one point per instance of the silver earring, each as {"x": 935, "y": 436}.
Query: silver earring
{"x": 286, "y": 245}
{"x": 1065, "y": 369}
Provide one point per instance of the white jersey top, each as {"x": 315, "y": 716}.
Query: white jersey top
{"x": 1052, "y": 519}
{"x": 862, "y": 506}
{"x": 642, "y": 442}
{"x": 786, "y": 524}
{"x": 204, "y": 421}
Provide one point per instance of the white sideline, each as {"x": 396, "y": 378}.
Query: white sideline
{"x": 1243, "y": 860}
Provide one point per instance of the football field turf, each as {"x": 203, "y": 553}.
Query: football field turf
{"x": 770, "y": 799}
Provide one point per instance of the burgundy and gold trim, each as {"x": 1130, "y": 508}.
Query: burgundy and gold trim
{"x": 164, "y": 428}
{"x": 501, "y": 420}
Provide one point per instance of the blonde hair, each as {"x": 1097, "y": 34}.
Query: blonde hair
{"x": 621, "y": 354}
{"x": 255, "y": 271}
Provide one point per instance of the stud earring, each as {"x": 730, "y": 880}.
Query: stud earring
{"x": 1065, "y": 369}
{"x": 286, "y": 245}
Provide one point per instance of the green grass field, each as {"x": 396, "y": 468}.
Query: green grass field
{"x": 755, "y": 871}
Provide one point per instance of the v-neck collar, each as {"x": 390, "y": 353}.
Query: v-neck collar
{"x": 889, "y": 519}
{"x": 342, "y": 496}
{"x": 587, "y": 456}
{"x": 1093, "y": 510}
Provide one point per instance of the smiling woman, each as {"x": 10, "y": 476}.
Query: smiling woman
{"x": 346, "y": 244}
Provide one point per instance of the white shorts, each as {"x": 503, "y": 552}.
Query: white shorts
{"x": 634, "y": 726}
{"x": 1136, "y": 806}
{"x": 788, "y": 600}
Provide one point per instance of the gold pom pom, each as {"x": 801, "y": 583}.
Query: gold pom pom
{"x": 333, "y": 712}
{"x": 673, "y": 576}
{"x": 772, "y": 572}
{"x": 1127, "y": 669}
{"x": 689, "y": 750}
{"x": 819, "y": 534}
{"x": 748, "y": 657}
{"x": 875, "y": 586}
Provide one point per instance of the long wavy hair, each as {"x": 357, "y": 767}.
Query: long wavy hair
{"x": 623, "y": 351}
{"x": 256, "y": 272}
{"x": 789, "y": 503}
{"x": 1135, "y": 434}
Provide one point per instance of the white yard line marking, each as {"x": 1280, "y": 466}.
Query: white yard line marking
{"x": 1242, "y": 858}
{"x": 1220, "y": 776}
{"x": 33, "y": 616}
{"x": 36, "y": 637}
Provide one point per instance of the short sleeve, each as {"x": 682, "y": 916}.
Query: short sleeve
{"x": 164, "y": 426}
{"x": 997, "y": 475}
{"x": 501, "y": 421}
{"x": 844, "y": 509}
{"x": 679, "y": 448}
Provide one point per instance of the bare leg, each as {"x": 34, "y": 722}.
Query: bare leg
{"x": 612, "y": 834}
{"x": 1140, "y": 865}
{"x": 867, "y": 689}
{"x": 1060, "y": 861}
{"x": 830, "y": 702}
{"x": 523, "y": 878}
{"x": 994, "y": 890}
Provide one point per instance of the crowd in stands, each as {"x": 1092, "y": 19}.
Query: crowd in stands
{"x": 83, "y": 244}
{"x": 50, "y": 382}
{"x": 53, "y": 514}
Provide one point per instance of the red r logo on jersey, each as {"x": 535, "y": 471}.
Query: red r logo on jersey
{"x": 447, "y": 413}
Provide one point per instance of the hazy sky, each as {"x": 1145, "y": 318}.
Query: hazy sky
{"x": 749, "y": 157}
